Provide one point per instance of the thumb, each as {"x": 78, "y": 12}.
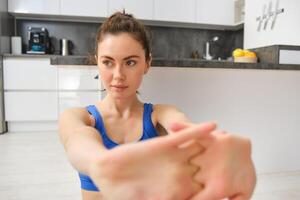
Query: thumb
{"x": 195, "y": 132}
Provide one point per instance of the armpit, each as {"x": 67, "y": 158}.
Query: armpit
{"x": 161, "y": 130}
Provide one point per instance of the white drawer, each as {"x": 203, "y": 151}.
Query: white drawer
{"x": 29, "y": 74}
{"x": 30, "y": 106}
{"x": 289, "y": 57}
{"x": 77, "y": 99}
{"x": 78, "y": 78}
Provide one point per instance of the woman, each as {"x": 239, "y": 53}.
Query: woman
{"x": 194, "y": 162}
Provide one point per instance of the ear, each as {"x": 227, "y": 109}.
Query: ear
{"x": 96, "y": 58}
{"x": 148, "y": 64}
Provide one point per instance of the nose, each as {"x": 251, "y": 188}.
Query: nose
{"x": 119, "y": 73}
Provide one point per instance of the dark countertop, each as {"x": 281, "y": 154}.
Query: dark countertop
{"x": 270, "y": 54}
{"x": 162, "y": 62}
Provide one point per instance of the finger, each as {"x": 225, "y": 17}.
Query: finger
{"x": 220, "y": 132}
{"x": 189, "y": 150}
{"x": 175, "y": 127}
{"x": 197, "y": 160}
{"x": 187, "y": 144}
{"x": 238, "y": 197}
{"x": 186, "y": 154}
{"x": 205, "y": 194}
{"x": 197, "y": 187}
{"x": 199, "y": 176}
{"x": 195, "y": 132}
{"x": 192, "y": 169}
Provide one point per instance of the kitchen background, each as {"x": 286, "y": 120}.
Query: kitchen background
{"x": 188, "y": 40}
{"x": 257, "y": 100}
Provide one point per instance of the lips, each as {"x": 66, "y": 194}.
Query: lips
{"x": 119, "y": 87}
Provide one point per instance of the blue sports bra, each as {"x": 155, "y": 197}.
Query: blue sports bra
{"x": 149, "y": 131}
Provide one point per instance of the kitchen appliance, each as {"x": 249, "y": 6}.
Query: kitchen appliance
{"x": 38, "y": 40}
{"x": 6, "y": 27}
{"x": 16, "y": 45}
{"x": 65, "y": 46}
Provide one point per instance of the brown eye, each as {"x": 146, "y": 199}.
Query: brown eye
{"x": 131, "y": 62}
{"x": 107, "y": 63}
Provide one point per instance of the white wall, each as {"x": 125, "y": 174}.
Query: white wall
{"x": 286, "y": 30}
{"x": 263, "y": 105}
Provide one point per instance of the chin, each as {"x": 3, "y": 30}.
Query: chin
{"x": 122, "y": 95}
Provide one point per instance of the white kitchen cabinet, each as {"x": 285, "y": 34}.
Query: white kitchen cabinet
{"x": 187, "y": 11}
{"x": 35, "y": 92}
{"x": 30, "y": 91}
{"x": 239, "y": 11}
{"x": 140, "y": 9}
{"x": 77, "y": 99}
{"x": 93, "y": 8}
{"x": 21, "y": 73}
{"x": 215, "y": 12}
{"x": 34, "y": 6}
{"x": 79, "y": 86}
{"x": 30, "y": 106}
{"x": 175, "y": 10}
{"x": 289, "y": 57}
{"x": 78, "y": 78}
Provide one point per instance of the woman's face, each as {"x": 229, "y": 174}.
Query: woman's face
{"x": 122, "y": 64}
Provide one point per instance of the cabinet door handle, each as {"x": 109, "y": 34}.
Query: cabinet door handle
{"x": 96, "y": 77}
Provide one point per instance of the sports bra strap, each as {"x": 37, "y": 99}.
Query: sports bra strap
{"x": 99, "y": 125}
{"x": 149, "y": 128}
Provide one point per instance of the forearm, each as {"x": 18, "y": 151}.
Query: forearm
{"x": 84, "y": 148}
{"x": 167, "y": 115}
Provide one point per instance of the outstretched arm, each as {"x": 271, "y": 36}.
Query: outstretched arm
{"x": 131, "y": 171}
{"x": 81, "y": 140}
{"x": 168, "y": 115}
{"x": 227, "y": 169}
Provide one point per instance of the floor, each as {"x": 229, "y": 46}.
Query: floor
{"x": 33, "y": 166}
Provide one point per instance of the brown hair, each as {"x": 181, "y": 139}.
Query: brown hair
{"x": 121, "y": 22}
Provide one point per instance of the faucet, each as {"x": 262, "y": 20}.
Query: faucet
{"x": 207, "y": 45}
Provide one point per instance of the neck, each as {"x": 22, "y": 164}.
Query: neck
{"x": 122, "y": 107}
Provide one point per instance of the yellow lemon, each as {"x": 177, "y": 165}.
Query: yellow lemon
{"x": 238, "y": 53}
{"x": 250, "y": 54}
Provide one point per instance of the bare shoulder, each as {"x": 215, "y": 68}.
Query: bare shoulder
{"x": 76, "y": 116}
{"x": 163, "y": 107}
{"x": 160, "y": 109}
{"x": 73, "y": 120}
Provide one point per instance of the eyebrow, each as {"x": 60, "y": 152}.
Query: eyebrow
{"x": 126, "y": 58}
{"x": 132, "y": 56}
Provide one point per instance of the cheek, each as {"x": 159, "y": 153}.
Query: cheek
{"x": 138, "y": 78}
{"x": 105, "y": 76}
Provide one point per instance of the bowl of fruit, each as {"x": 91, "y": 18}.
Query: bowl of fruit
{"x": 244, "y": 56}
